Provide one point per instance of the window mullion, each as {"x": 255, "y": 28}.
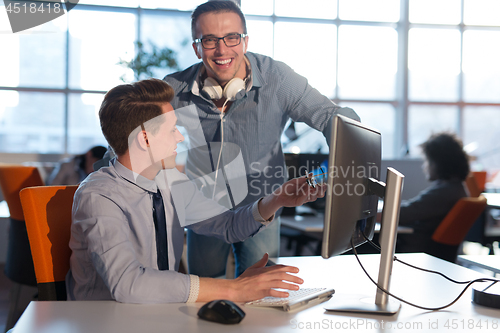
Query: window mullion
{"x": 66, "y": 90}
{"x": 460, "y": 125}
{"x": 401, "y": 131}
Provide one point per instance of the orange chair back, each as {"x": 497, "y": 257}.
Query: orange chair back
{"x": 480, "y": 177}
{"x": 13, "y": 178}
{"x": 472, "y": 186}
{"x": 454, "y": 227}
{"x": 47, "y": 210}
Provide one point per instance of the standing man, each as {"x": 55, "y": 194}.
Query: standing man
{"x": 242, "y": 99}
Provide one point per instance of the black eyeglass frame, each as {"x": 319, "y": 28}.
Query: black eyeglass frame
{"x": 200, "y": 40}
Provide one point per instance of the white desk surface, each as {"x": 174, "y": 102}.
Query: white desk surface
{"x": 493, "y": 199}
{"x": 488, "y": 262}
{"x": 342, "y": 272}
{"x": 4, "y": 209}
{"x": 314, "y": 224}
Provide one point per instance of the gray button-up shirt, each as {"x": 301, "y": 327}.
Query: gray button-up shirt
{"x": 113, "y": 236}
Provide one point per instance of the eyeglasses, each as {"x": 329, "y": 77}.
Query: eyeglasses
{"x": 210, "y": 43}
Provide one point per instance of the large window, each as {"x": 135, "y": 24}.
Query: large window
{"x": 408, "y": 67}
{"x": 454, "y": 75}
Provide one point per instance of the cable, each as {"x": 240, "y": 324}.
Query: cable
{"x": 412, "y": 304}
{"x": 221, "y": 146}
{"x": 410, "y": 265}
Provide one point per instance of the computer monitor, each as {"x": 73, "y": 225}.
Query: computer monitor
{"x": 351, "y": 203}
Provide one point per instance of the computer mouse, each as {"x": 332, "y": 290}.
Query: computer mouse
{"x": 221, "y": 311}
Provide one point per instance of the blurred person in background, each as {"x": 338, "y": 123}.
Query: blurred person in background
{"x": 446, "y": 165}
{"x": 72, "y": 170}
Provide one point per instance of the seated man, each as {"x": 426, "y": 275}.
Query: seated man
{"x": 121, "y": 250}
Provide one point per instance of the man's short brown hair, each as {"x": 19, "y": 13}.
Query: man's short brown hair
{"x": 213, "y": 6}
{"x": 128, "y": 106}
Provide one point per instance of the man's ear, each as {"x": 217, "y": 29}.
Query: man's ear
{"x": 245, "y": 44}
{"x": 197, "y": 49}
{"x": 142, "y": 139}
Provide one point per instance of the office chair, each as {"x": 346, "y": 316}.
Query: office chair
{"x": 480, "y": 177}
{"x": 475, "y": 183}
{"x": 19, "y": 263}
{"x": 48, "y": 219}
{"x": 452, "y": 230}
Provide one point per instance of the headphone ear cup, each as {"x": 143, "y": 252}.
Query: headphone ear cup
{"x": 212, "y": 89}
{"x": 234, "y": 89}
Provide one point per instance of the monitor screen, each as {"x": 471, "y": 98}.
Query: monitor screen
{"x": 355, "y": 156}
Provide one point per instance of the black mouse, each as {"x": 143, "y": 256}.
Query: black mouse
{"x": 221, "y": 311}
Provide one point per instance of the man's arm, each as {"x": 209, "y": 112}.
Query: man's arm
{"x": 294, "y": 192}
{"x": 131, "y": 282}
{"x": 303, "y": 103}
{"x": 256, "y": 282}
{"x": 204, "y": 216}
{"x": 343, "y": 111}
{"x": 259, "y": 281}
{"x": 102, "y": 241}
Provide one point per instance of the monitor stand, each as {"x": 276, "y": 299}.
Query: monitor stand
{"x": 388, "y": 233}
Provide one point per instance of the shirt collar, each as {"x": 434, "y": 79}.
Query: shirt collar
{"x": 257, "y": 78}
{"x": 134, "y": 178}
{"x": 249, "y": 78}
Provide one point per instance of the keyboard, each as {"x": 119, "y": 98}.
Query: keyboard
{"x": 296, "y": 299}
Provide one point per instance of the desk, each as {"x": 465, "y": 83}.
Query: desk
{"x": 4, "y": 209}
{"x": 487, "y": 262}
{"x": 486, "y": 229}
{"x": 314, "y": 224}
{"x": 491, "y": 228}
{"x": 493, "y": 199}
{"x": 341, "y": 272}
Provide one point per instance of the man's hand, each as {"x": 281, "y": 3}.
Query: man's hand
{"x": 297, "y": 192}
{"x": 294, "y": 192}
{"x": 259, "y": 281}
{"x": 256, "y": 282}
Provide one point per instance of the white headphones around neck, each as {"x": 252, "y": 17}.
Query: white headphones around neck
{"x": 234, "y": 89}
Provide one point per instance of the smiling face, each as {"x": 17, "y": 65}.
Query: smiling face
{"x": 222, "y": 63}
